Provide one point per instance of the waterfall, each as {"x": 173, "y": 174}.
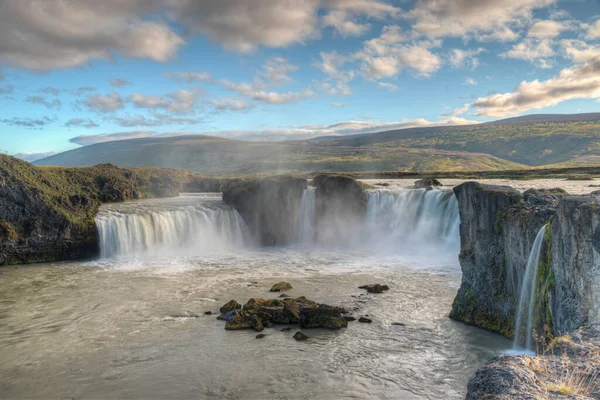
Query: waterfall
{"x": 414, "y": 216}
{"x": 306, "y": 217}
{"x": 159, "y": 230}
{"x": 527, "y": 297}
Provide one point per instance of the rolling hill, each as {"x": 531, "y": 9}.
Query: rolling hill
{"x": 516, "y": 143}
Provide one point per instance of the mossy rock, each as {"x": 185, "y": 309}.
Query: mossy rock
{"x": 230, "y": 306}
{"x": 281, "y": 287}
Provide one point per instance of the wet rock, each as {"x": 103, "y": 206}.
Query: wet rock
{"x": 283, "y": 296}
{"x": 335, "y": 323}
{"x": 256, "y": 323}
{"x": 240, "y": 321}
{"x": 260, "y": 336}
{"x": 273, "y": 314}
{"x": 208, "y": 313}
{"x": 281, "y": 286}
{"x": 299, "y": 336}
{"x": 286, "y": 329}
{"x": 320, "y": 317}
{"x": 349, "y": 318}
{"x": 365, "y": 320}
{"x": 384, "y": 184}
{"x": 291, "y": 311}
{"x": 228, "y": 316}
{"x": 377, "y": 288}
{"x": 427, "y": 183}
{"x": 542, "y": 191}
{"x": 398, "y": 324}
{"x": 231, "y": 305}
{"x": 253, "y": 304}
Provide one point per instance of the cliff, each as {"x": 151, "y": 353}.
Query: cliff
{"x": 341, "y": 204}
{"x": 270, "y": 207}
{"x": 498, "y": 228}
{"x": 47, "y": 214}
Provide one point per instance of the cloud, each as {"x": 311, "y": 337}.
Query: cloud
{"x": 387, "y": 86}
{"x": 593, "y": 30}
{"x": 578, "y": 82}
{"x": 82, "y": 122}
{"x": 465, "y": 58}
{"x": 118, "y": 82}
{"x": 59, "y": 34}
{"x": 276, "y": 70}
{"x": 297, "y": 133}
{"x": 158, "y": 119}
{"x": 28, "y": 122}
{"x": 470, "y": 82}
{"x": 546, "y": 29}
{"x": 579, "y": 51}
{"x": 532, "y": 50}
{"x": 50, "y": 90}
{"x": 179, "y": 102}
{"x": 337, "y": 105}
{"x": 106, "y": 103}
{"x": 230, "y": 104}
{"x": 190, "y": 77}
{"x": 30, "y": 157}
{"x": 484, "y": 20}
{"x": 42, "y": 101}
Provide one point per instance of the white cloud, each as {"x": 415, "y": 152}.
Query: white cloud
{"x": 230, "y": 104}
{"x": 296, "y": 133}
{"x": 190, "y": 76}
{"x": 82, "y": 122}
{"x": 276, "y": 70}
{"x": 533, "y": 50}
{"x": 179, "y": 102}
{"x": 118, "y": 82}
{"x": 546, "y": 29}
{"x": 55, "y": 103}
{"x": 34, "y": 156}
{"x": 387, "y": 86}
{"x": 578, "y": 82}
{"x": 465, "y": 58}
{"x": 158, "y": 119}
{"x": 481, "y": 19}
{"x": 337, "y": 105}
{"x": 580, "y": 51}
{"x": 593, "y": 30}
{"x": 339, "y": 20}
{"x": 470, "y": 82}
{"x": 106, "y": 103}
{"x": 59, "y": 34}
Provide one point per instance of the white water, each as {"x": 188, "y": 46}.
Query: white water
{"x": 188, "y": 225}
{"x": 414, "y": 217}
{"x": 527, "y": 297}
{"x": 307, "y": 215}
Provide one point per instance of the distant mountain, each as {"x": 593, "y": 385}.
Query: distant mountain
{"x": 514, "y": 143}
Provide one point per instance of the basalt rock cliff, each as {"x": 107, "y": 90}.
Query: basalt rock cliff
{"x": 498, "y": 228}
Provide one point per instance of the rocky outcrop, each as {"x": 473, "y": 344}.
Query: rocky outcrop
{"x": 270, "y": 207}
{"x": 498, "y": 227}
{"x": 341, "y": 204}
{"x": 568, "y": 368}
{"x": 47, "y": 214}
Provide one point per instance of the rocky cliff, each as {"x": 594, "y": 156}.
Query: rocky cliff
{"x": 270, "y": 207}
{"x": 341, "y": 204}
{"x": 47, "y": 214}
{"x": 498, "y": 227}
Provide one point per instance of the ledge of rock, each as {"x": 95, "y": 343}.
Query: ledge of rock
{"x": 269, "y": 206}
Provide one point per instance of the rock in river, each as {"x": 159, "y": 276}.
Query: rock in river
{"x": 299, "y": 336}
{"x": 377, "y": 288}
{"x": 281, "y": 286}
{"x": 230, "y": 306}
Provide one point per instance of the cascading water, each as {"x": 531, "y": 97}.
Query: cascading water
{"x": 414, "y": 216}
{"x": 527, "y": 297}
{"x": 183, "y": 226}
{"x": 306, "y": 217}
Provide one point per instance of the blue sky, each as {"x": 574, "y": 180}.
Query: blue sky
{"x": 78, "y": 73}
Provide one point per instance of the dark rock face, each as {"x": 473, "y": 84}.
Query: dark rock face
{"x": 498, "y": 228}
{"x": 376, "y": 288}
{"x": 47, "y": 214}
{"x": 281, "y": 286}
{"x": 341, "y": 204}
{"x": 230, "y": 306}
{"x": 269, "y": 206}
{"x": 427, "y": 183}
{"x": 299, "y": 336}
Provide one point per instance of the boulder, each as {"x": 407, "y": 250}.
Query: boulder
{"x": 427, "y": 183}
{"x": 376, "y": 288}
{"x": 240, "y": 321}
{"x": 299, "y": 336}
{"x": 365, "y": 320}
{"x": 281, "y": 286}
{"x": 320, "y": 317}
{"x": 269, "y": 206}
{"x": 230, "y": 306}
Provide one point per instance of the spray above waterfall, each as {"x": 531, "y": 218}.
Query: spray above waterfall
{"x": 526, "y": 305}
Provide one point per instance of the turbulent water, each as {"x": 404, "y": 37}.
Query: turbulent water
{"x": 527, "y": 297}
{"x": 132, "y": 324}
